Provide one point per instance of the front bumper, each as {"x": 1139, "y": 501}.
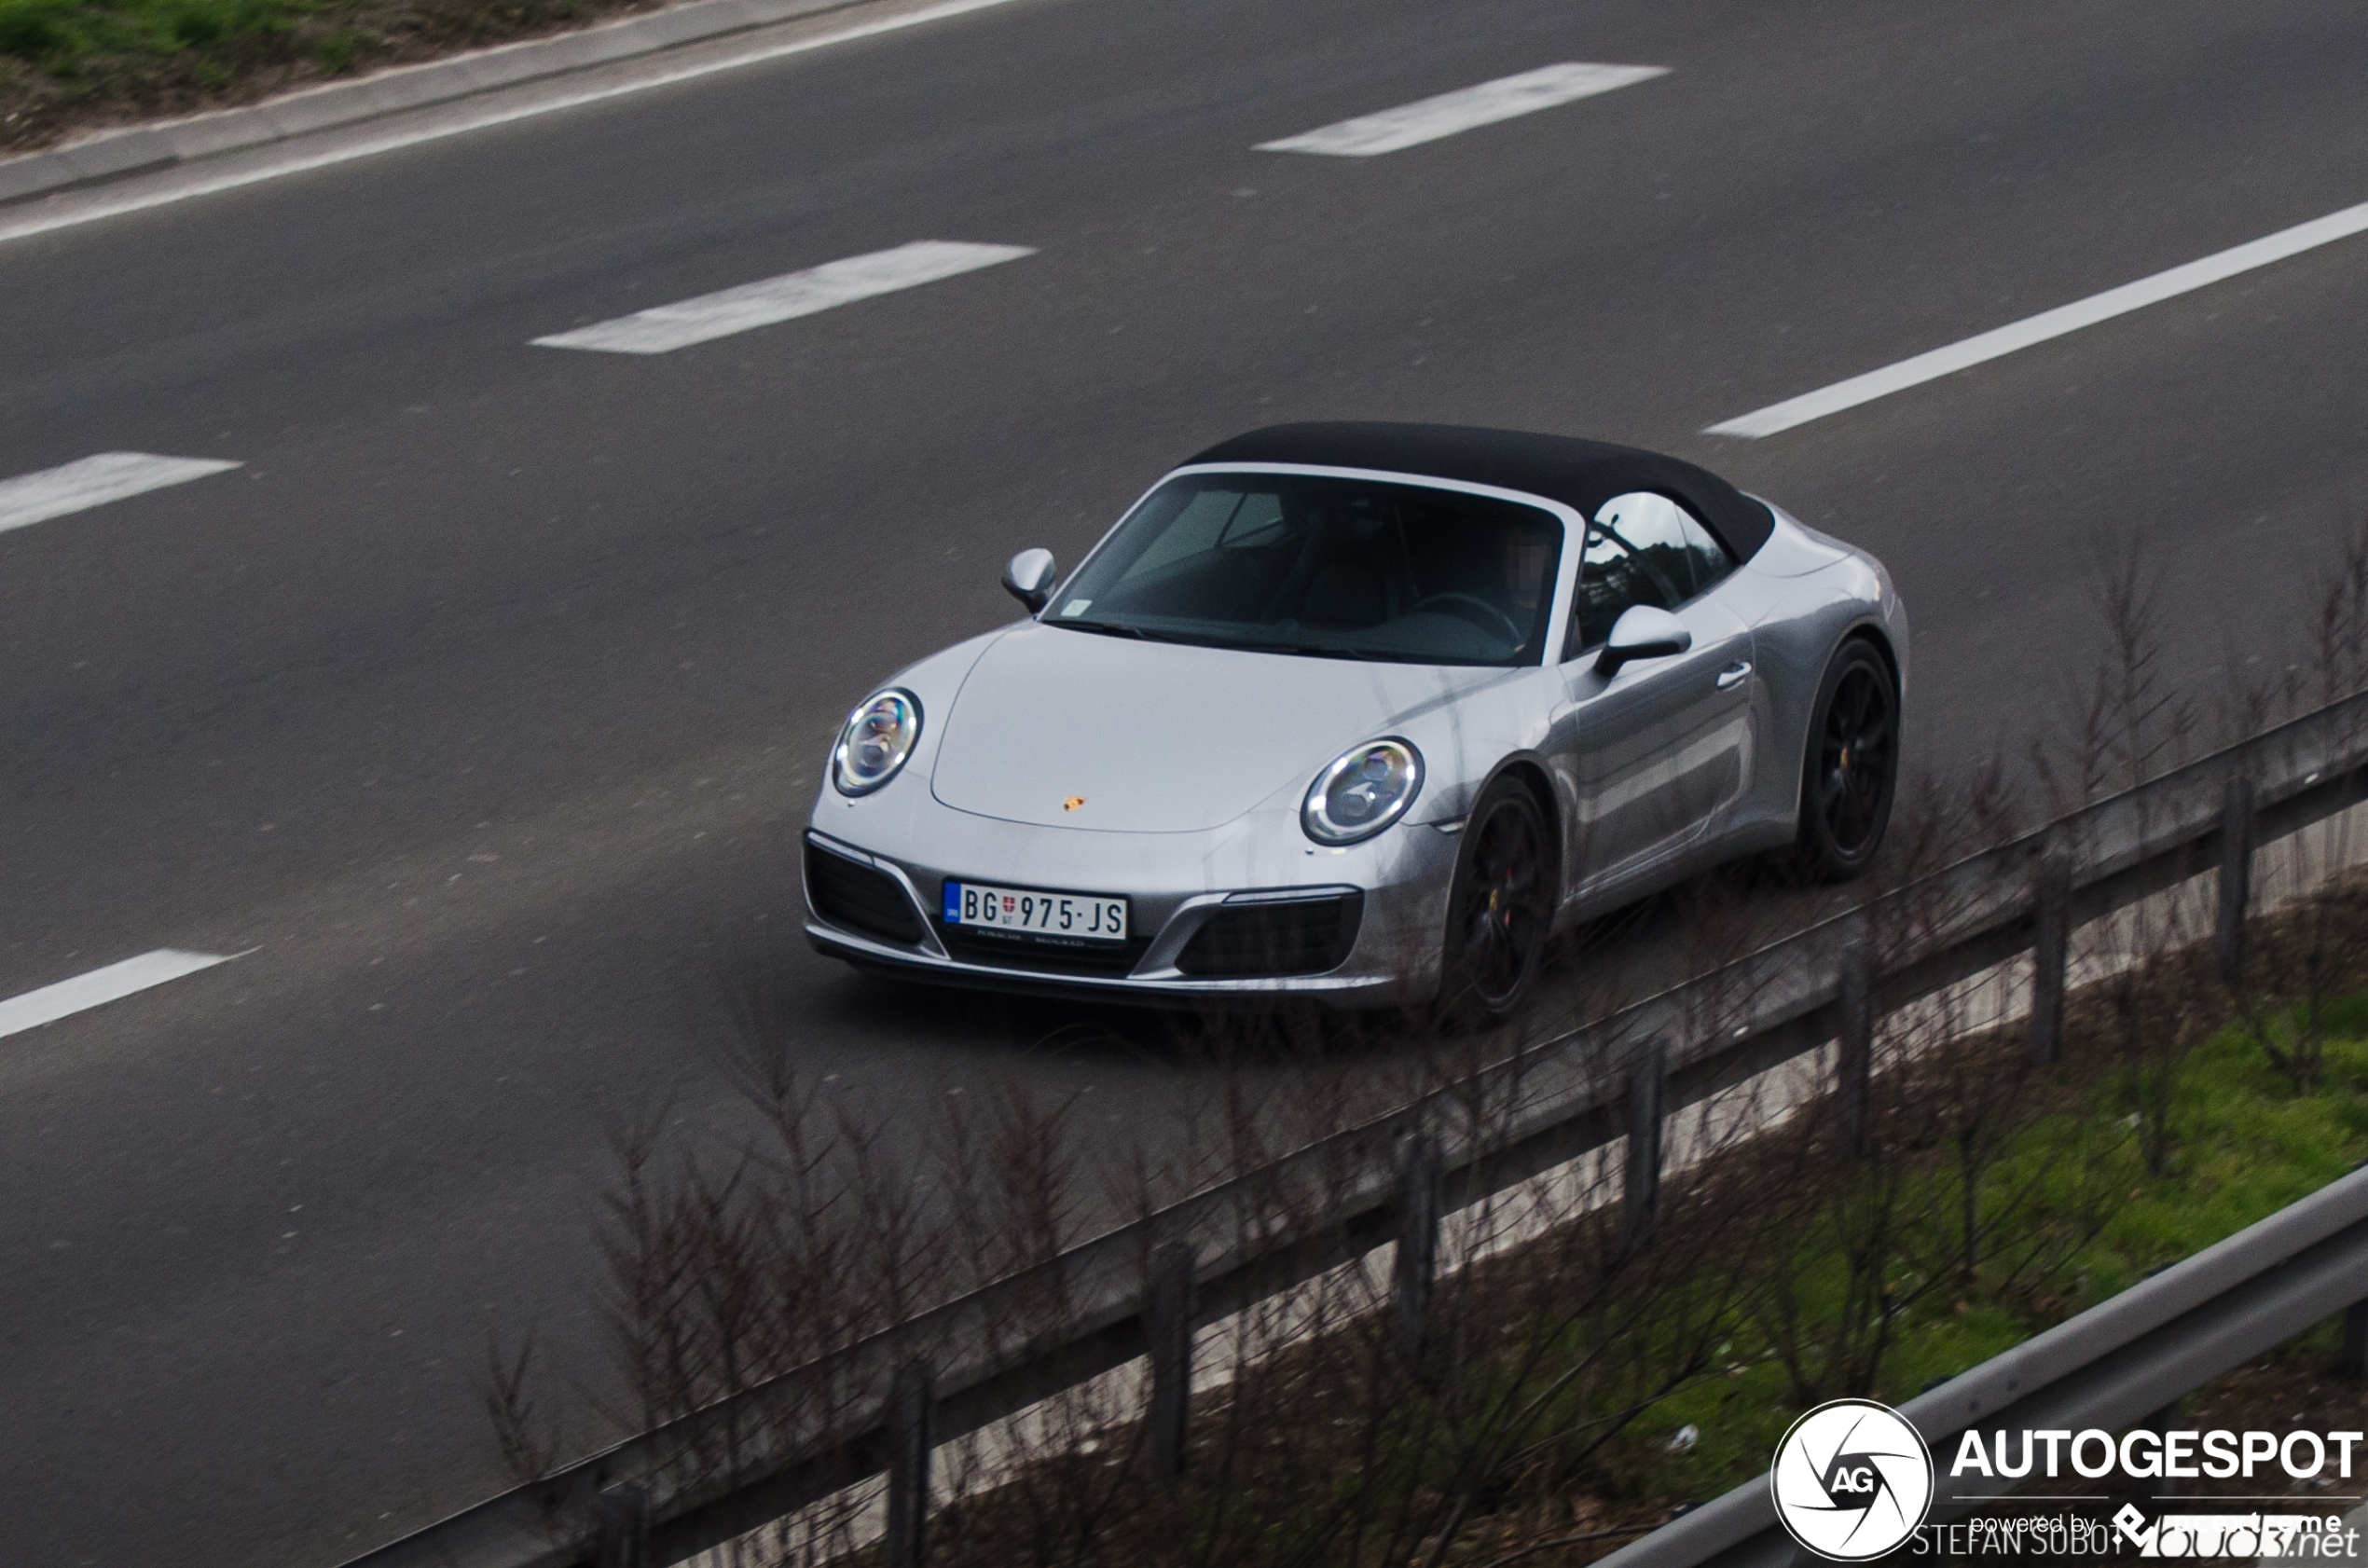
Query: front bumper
{"x": 1177, "y": 885}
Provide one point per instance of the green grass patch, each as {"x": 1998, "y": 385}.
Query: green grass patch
{"x": 2244, "y": 1144}
{"x": 70, "y": 66}
{"x": 341, "y": 51}
{"x": 62, "y": 38}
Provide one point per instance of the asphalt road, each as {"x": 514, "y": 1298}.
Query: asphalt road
{"x": 479, "y": 708}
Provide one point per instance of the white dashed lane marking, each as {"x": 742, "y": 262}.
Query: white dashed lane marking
{"x": 666, "y": 327}
{"x": 53, "y": 492}
{"x": 100, "y": 987}
{"x": 2000, "y": 342}
{"x": 1507, "y": 98}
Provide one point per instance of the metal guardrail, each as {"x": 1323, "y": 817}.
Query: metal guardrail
{"x": 809, "y": 1433}
{"x": 2115, "y": 1366}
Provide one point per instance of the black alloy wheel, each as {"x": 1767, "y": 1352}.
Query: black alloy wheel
{"x": 1499, "y": 908}
{"x": 1852, "y": 765}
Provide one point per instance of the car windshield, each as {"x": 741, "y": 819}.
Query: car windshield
{"x": 1350, "y": 569}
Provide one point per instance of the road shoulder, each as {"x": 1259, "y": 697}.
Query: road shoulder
{"x": 659, "y": 44}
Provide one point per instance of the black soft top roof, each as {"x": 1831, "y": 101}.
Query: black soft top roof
{"x": 1581, "y": 474}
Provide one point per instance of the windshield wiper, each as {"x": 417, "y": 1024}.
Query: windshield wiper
{"x": 1309, "y": 649}
{"x": 1111, "y": 628}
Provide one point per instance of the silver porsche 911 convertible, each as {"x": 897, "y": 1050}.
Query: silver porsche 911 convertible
{"x": 1363, "y": 713}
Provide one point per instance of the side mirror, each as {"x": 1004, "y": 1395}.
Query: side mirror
{"x": 1029, "y": 578}
{"x": 1642, "y": 632}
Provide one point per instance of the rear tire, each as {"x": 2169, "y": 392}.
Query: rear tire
{"x": 1850, "y": 770}
{"x": 1499, "y": 908}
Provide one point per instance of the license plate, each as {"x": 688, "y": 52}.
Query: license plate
{"x": 1078, "y": 916}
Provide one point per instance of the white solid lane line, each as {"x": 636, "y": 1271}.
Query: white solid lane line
{"x": 1507, "y": 98}
{"x": 2004, "y": 340}
{"x": 53, "y": 492}
{"x": 665, "y": 328}
{"x": 100, "y": 987}
{"x": 454, "y": 120}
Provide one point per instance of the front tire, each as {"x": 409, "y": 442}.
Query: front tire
{"x": 1499, "y": 907}
{"x": 1851, "y": 769}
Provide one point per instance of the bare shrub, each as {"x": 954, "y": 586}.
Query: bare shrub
{"x": 2126, "y": 718}
{"x": 2278, "y": 992}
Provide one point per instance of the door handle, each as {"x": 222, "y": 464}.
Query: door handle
{"x": 1734, "y": 674}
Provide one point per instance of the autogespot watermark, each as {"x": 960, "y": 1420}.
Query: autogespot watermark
{"x": 2145, "y": 1455}
{"x": 1852, "y": 1480}
{"x": 2247, "y": 1535}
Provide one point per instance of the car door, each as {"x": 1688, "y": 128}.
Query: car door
{"x": 1653, "y": 755}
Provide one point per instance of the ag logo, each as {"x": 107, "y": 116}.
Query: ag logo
{"x": 1852, "y": 1480}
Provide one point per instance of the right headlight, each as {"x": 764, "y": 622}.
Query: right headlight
{"x": 1362, "y": 792}
{"x": 878, "y": 738}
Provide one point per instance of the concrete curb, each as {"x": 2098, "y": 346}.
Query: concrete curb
{"x": 138, "y": 149}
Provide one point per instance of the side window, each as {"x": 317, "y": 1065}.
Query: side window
{"x": 1710, "y": 559}
{"x": 1636, "y": 552}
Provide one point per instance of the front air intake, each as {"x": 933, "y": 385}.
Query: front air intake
{"x": 1259, "y": 942}
{"x": 860, "y": 898}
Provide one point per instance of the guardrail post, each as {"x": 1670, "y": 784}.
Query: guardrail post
{"x": 1854, "y": 1062}
{"x": 1641, "y": 1189}
{"x": 1168, "y": 1315}
{"x": 1418, "y": 1215}
{"x": 908, "y": 1469}
{"x": 2236, "y": 878}
{"x": 2050, "y": 955}
{"x": 2355, "y": 1362}
{"x": 621, "y": 1537}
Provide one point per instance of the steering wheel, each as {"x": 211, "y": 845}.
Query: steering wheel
{"x": 1513, "y": 632}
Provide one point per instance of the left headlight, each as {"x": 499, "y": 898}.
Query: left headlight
{"x": 1362, "y": 792}
{"x": 878, "y": 736}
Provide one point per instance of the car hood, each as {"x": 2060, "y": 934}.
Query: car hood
{"x": 1157, "y": 737}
